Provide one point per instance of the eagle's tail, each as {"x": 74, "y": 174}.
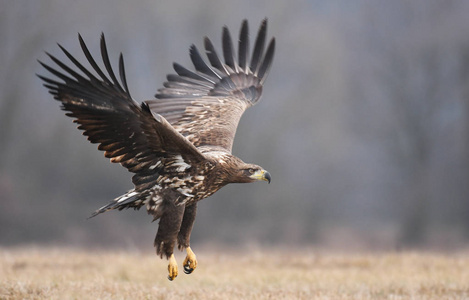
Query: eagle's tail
{"x": 130, "y": 199}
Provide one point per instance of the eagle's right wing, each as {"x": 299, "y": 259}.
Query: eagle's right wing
{"x": 132, "y": 135}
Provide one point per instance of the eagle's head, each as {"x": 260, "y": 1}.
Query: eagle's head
{"x": 231, "y": 169}
{"x": 250, "y": 173}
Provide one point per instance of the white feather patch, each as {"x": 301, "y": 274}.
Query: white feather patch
{"x": 185, "y": 192}
{"x": 180, "y": 164}
{"x": 126, "y": 196}
{"x": 154, "y": 166}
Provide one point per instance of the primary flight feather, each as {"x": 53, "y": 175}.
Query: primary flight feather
{"x": 178, "y": 145}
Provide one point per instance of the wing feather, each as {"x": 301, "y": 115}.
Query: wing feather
{"x": 206, "y": 105}
{"x": 122, "y": 75}
{"x": 107, "y": 65}
{"x": 258, "y": 47}
{"x": 243, "y": 46}
{"x": 267, "y": 62}
{"x": 228, "y": 50}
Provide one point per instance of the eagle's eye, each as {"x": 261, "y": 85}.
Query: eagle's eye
{"x": 251, "y": 171}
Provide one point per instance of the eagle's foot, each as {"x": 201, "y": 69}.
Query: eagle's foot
{"x": 172, "y": 268}
{"x": 190, "y": 262}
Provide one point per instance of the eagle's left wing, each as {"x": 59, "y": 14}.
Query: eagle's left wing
{"x": 205, "y": 105}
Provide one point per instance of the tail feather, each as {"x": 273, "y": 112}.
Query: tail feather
{"x": 130, "y": 199}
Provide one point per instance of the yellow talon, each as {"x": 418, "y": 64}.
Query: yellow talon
{"x": 172, "y": 268}
{"x": 190, "y": 262}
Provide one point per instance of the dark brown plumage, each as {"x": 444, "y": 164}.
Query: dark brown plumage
{"x": 178, "y": 145}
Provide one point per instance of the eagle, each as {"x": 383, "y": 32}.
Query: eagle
{"x": 179, "y": 144}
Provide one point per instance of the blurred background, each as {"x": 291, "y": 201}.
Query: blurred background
{"x": 364, "y": 123}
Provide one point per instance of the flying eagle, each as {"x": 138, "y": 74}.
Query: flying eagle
{"x": 178, "y": 145}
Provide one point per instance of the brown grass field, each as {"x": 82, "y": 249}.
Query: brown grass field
{"x": 61, "y": 273}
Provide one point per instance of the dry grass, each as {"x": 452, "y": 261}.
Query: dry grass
{"x": 43, "y": 273}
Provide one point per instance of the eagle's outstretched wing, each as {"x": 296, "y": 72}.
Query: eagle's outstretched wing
{"x": 130, "y": 134}
{"x": 205, "y": 105}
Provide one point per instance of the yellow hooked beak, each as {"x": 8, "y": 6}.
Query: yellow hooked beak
{"x": 262, "y": 175}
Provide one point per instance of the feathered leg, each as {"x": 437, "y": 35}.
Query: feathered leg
{"x": 165, "y": 240}
{"x": 190, "y": 262}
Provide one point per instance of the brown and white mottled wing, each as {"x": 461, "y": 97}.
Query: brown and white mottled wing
{"x": 205, "y": 105}
{"x": 131, "y": 135}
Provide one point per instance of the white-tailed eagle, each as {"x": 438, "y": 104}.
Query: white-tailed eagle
{"x": 178, "y": 145}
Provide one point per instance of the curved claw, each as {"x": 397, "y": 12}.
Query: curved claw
{"x": 190, "y": 262}
{"x": 188, "y": 269}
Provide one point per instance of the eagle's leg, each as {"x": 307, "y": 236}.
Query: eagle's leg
{"x": 166, "y": 237}
{"x": 190, "y": 262}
